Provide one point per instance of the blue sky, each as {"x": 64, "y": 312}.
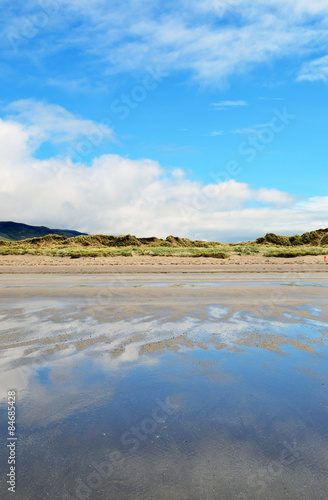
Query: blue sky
{"x": 204, "y": 118}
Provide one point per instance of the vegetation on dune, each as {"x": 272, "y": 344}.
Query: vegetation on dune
{"x": 296, "y": 252}
{"x": 313, "y": 238}
{"x": 271, "y": 245}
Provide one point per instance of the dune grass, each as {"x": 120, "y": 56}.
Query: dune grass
{"x": 127, "y": 246}
{"x": 296, "y": 252}
{"x": 76, "y": 252}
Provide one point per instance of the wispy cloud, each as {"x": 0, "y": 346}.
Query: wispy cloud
{"x": 216, "y": 132}
{"x": 229, "y": 104}
{"x": 314, "y": 70}
{"x": 271, "y": 99}
{"x": 245, "y": 130}
{"x": 177, "y": 36}
{"x": 250, "y": 130}
{"x": 77, "y": 85}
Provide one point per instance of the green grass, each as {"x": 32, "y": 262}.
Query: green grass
{"x": 218, "y": 252}
{"x": 296, "y": 252}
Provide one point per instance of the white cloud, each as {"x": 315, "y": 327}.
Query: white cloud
{"x": 251, "y": 130}
{"x": 246, "y": 131}
{"x": 229, "y": 104}
{"x": 216, "y": 133}
{"x": 315, "y": 204}
{"x": 314, "y": 70}
{"x": 117, "y": 195}
{"x": 53, "y": 123}
{"x": 14, "y": 141}
{"x": 211, "y": 39}
{"x": 271, "y": 98}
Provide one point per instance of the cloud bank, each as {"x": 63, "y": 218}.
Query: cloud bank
{"x": 116, "y": 195}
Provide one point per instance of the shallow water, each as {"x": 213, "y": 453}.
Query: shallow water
{"x": 173, "y": 390}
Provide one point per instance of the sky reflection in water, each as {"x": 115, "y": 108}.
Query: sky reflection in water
{"x": 216, "y": 402}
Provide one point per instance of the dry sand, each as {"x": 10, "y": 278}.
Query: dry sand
{"x": 38, "y": 264}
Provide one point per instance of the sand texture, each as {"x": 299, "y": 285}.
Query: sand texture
{"x": 148, "y": 264}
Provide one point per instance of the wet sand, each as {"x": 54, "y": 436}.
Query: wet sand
{"x": 167, "y": 385}
{"x": 61, "y": 300}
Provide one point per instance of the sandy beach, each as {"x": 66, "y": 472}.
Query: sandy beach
{"x": 235, "y": 348}
{"x": 41, "y": 264}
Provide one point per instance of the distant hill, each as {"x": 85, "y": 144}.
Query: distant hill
{"x": 15, "y": 231}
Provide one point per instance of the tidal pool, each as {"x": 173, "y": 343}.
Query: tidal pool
{"x": 179, "y": 389}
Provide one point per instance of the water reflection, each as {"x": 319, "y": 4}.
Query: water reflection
{"x": 181, "y": 395}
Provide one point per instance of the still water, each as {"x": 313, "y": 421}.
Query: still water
{"x": 141, "y": 389}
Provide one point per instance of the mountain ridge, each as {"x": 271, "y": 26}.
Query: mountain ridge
{"x": 17, "y": 231}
